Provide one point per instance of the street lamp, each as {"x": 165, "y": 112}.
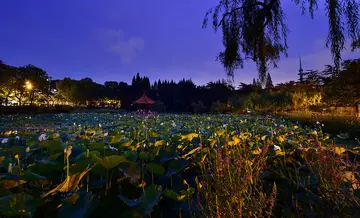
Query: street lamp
{"x": 28, "y": 85}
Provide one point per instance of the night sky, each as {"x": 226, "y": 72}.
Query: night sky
{"x": 162, "y": 39}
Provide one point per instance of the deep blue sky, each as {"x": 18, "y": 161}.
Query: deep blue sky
{"x": 114, "y": 39}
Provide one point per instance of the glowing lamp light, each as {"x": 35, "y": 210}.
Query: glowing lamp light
{"x": 28, "y": 85}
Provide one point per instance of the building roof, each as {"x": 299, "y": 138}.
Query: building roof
{"x": 144, "y": 100}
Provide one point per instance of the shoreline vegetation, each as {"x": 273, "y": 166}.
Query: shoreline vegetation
{"x": 334, "y": 123}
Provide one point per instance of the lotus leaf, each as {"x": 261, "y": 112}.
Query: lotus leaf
{"x": 110, "y": 162}
{"x": 157, "y": 169}
{"x": 81, "y": 208}
{"x": 17, "y": 205}
{"x": 69, "y": 185}
{"x": 147, "y": 200}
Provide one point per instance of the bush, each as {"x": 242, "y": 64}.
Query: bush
{"x": 265, "y": 102}
{"x": 217, "y": 107}
{"x": 198, "y": 107}
{"x": 158, "y": 106}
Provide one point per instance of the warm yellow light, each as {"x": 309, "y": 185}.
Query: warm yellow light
{"x": 28, "y": 85}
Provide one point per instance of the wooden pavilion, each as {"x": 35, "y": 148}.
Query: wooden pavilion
{"x": 144, "y": 102}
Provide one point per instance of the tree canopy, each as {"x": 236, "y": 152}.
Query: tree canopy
{"x": 256, "y": 30}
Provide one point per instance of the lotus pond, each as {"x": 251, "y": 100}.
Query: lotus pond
{"x": 122, "y": 165}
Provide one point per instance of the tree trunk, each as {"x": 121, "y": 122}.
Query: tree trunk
{"x": 7, "y": 99}
{"x": 31, "y": 98}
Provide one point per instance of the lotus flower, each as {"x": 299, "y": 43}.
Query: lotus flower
{"x": 106, "y": 134}
{"x": 277, "y": 148}
{"x": 42, "y": 137}
{"x": 5, "y": 140}
{"x": 10, "y": 167}
{"x": 314, "y": 132}
{"x": 112, "y": 148}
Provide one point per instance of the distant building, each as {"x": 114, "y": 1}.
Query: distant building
{"x": 301, "y": 73}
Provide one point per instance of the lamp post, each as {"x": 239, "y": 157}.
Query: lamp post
{"x": 29, "y": 87}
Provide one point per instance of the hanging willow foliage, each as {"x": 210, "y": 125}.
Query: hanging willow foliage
{"x": 256, "y": 30}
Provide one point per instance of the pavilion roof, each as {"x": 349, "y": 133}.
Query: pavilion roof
{"x": 144, "y": 100}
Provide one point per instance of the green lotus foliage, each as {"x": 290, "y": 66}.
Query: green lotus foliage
{"x": 174, "y": 165}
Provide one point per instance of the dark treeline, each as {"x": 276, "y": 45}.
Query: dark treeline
{"x": 323, "y": 88}
{"x": 171, "y": 96}
{"x": 319, "y": 87}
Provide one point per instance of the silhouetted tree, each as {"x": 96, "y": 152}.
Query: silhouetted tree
{"x": 257, "y": 30}
{"x": 139, "y": 85}
{"x": 8, "y": 81}
{"x": 246, "y": 88}
{"x": 65, "y": 88}
{"x": 269, "y": 82}
{"x": 111, "y": 85}
{"x": 38, "y": 78}
{"x": 337, "y": 86}
{"x": 112, "y": 89}
{"x": 256, "y": 84}
{"x": 312, "y": 77}
{"x": 344, "y": 88}
{"x": 220, "y": 91}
